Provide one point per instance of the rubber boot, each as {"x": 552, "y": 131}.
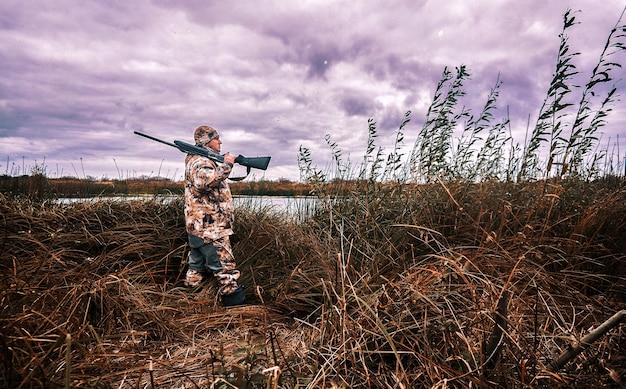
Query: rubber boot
{"x": 238, "y": 297}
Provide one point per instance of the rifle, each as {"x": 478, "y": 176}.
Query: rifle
{"x": 248, "y": 162}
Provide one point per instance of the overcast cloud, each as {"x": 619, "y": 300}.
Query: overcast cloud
{"x": 77, "y": 77}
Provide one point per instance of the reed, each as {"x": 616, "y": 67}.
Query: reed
{"x": 564, "y": 141}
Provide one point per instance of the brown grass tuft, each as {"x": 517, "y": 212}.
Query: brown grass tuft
{"x": 447, "y": 284}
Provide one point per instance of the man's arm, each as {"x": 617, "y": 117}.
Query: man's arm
{"x": 204, "y": 173}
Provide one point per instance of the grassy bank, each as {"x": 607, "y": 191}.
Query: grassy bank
{"x": 396, "y": 285}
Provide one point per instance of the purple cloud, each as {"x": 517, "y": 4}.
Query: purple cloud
{"x": 79, "y": 77}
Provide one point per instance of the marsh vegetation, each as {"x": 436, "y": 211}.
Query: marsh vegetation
{"x": 474, "y": 263}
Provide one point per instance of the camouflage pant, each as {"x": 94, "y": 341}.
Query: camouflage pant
{"x": 217, "y": 258}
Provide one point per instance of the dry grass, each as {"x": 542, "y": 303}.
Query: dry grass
{"x": 395, "y": 286}
{"x": 94, "y": 286}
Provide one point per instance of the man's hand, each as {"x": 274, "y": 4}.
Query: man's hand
{"x": 229, "y": 158}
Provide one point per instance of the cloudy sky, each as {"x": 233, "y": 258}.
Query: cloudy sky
{"x": 78, "y": 77}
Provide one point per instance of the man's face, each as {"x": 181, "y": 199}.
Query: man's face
{"x": 215, "y": 143}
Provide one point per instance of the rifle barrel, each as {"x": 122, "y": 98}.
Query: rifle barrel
{"x": 155, "y": 139}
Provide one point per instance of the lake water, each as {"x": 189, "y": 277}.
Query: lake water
{"x": 291, "y": 205}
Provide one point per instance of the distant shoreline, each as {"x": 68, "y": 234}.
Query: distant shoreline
{"x": 42, "y": 186}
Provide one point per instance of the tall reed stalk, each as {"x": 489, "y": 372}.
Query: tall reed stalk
{"x": 587, "y": 122}
{"x": 430, "y": 155}
{"x": 550, "y": 123}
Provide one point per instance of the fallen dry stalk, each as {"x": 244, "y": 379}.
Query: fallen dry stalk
{"x": 586, "y": 342}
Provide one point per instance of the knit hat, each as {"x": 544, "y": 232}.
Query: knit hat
{"x": 204, "y": 134}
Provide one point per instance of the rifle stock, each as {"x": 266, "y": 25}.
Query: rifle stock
{"x": 249, "y": 162}
{"x": 255, "y": 162}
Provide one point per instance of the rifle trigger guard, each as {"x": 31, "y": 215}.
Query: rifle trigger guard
{"x": 248, "y": 168}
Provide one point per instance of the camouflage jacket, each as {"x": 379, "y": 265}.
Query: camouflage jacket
{"x": 208, "y": 201}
